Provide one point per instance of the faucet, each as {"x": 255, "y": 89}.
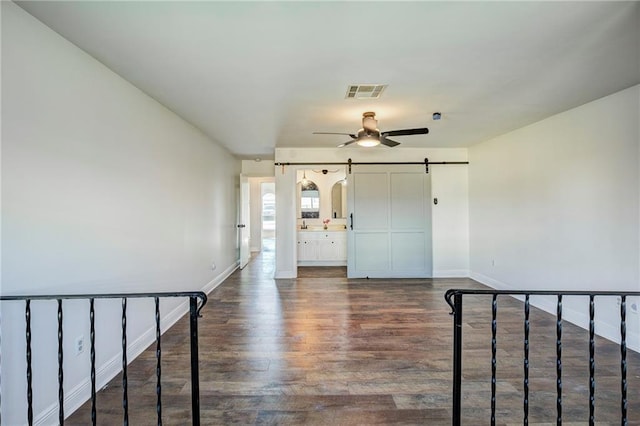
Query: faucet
{"x": 304, "y": 225}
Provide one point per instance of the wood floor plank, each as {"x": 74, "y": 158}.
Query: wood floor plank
{"x": 326, "y": 350}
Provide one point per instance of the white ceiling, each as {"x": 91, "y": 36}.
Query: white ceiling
{"x": 259, "y": 75}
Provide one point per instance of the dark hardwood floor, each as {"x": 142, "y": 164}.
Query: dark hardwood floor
{"x": 325, "y": 350}
{"x": 322, "y": 272}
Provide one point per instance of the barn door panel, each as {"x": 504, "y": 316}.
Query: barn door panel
{"x": 390, "y": 230}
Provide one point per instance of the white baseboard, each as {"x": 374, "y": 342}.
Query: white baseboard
{"x": 210, "y": 286}
{"x": 281, "y": 275}
{"x": 581, "y": 319}
{"x": 451, "y": 273}
{"x": 322, "y": 263}
{"x": 548, "y": 304}
{"x": 81, "y": 393}
{"x": 48, "y": 416}
{"x": 488, "y": 281}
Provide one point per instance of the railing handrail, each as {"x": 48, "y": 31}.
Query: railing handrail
{"x": 199, "y": 294}
{"x": 449, "y": 294}
{"x": 197, "y": 300}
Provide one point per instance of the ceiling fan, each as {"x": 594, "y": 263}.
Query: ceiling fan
{"x": 370, "y": 135}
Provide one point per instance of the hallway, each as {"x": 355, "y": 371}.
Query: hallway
{"x": 332, "y": 351}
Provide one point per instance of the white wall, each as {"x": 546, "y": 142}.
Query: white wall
{"x": 263, "y": 168}
{"x": 450, "y": 219}
{"x": 103, "y": 190}
{"x": 554, "y": 205}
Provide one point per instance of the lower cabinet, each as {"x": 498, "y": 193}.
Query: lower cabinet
{"x": 318, "y": 248}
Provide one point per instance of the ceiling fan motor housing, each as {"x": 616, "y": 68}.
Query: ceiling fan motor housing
{"x": 369, "y": 135}
{"x": 366, "y": 133}
{"x": 369, "y": 121}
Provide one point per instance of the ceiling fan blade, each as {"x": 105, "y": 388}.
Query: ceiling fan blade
{"x": 388, "y": 142}
{"x": 346, "y": 143}
{"x": 406, "y": 132}
{"x": 332, "y": 133}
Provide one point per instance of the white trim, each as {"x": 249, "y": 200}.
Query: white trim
{"x": 49, "y": 416}
{"x": 488, "y": 281}
{"x": 104, "y": 374}
{"x": 580, "y": 319}
{"x": 210, "y": 286}
{"x": 322, "y": 263}
{"x": 548, "y": 304}
{"x": 80, "y": 394}
{"x": 283, "y": 275}
{"x": 451, "y": 273}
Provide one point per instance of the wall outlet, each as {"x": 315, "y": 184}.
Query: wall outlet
{"x": 79, "y": 346}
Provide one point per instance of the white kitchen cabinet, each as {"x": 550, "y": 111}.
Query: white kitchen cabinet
{"x": 322, "y": 248}
{"x": 307, "y": 248}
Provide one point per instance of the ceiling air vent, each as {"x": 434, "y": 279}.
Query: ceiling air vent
{"x": 365, "y": 91}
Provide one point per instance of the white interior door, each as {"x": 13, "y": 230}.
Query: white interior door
{"x": 245, "y": 220}
{"x": 389, "y": 229}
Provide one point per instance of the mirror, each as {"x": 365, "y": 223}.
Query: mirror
{"x": 309, "y": 200}
{"x": 338, "y": 199}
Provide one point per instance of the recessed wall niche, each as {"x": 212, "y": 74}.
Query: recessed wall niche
{"x": 321, "y": 195}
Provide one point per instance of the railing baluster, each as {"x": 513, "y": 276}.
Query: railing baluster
{"x": 525, "y": 383}
{"x": 195, "y": 379}
{"x": 454, "y": 299}
{"x": 158, "y": 365}
{"x": 494, "y": 328}
{"x": 92, "y": 338}
{"x": 592, "y": 361}
{"x": 559, "y": 360}
{"x": 194, "y": 297}
{"x": 0, "y": 367}
{"x": 623, "y": 359}
{"x": 457, "y": 359}
{"x": 27, "y": 315}
{"x": 125, "y": 397}
{"x": 60, "y": 367}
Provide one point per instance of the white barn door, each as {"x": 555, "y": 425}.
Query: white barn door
{"x": 389, "y": 223}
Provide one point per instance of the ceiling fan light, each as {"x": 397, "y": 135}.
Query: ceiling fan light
{"x": 368, "y": 141}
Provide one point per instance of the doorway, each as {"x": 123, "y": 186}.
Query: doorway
{"x": 268, "y": 215}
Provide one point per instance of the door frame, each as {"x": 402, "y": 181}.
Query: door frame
{"x": 244, "y": 221}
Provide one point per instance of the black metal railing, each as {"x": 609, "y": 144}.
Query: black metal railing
{"x": 196, "y": 302}
{"x": 454, "y": 298}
